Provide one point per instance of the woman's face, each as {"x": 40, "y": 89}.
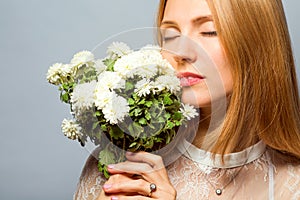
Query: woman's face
{"x": 191, "y": 45}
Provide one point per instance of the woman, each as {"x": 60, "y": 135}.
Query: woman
{"x": 254, "y": 152}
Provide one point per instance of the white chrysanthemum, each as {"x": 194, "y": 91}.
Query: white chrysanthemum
{"x": 117, "y": 49}
{"x": 103, "y": 97}
{"x": 147, "y": 71}
{"x": 188, "y": 111}
{"x": 151, "y": 47}
{"x": 127, "y": 64}
{"x": 53, "y": 74}
{"x": 58, "y": 73}
{"x": 82, "y": 57}
{"x": 171, "y": 83}
{"x": 83, "y": 97}
{"x": 71, "y": 129}
{"x": 143, "y": 87}
{"x": 100, "y": 66}
{"x": 116, "y": 110}
{"x": 110, "y": 80}
{"x": 165, "y": 68}
{"x": 66, "y": 70}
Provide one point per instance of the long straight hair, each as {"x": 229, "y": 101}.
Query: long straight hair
{"x": 265, "y": 100}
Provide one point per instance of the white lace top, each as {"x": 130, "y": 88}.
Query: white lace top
{"x": 254, "y": 173}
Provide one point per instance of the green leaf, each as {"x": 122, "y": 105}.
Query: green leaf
{"x": 132, "y": 144}
{"x": 177, "y": 116}
{"x": 97, "y": 113}
{"x": 131, "y": 101}
{"x": 149, "y": 144}
{"x": 142, "y": 121}
{"x": 170, "y": 125}
{"x": 148, "y": 116}
{"x": 168, "y": 139}
{"x": 135, "y": 129}
{"x": 116, "y": 132}
{"x": 103, "y": 127}
{"x": 167, "y": 100}
{"x": 135, "y": 147}
{"x": 135, "y": 97}
{"x": 137, "y": 112}
{"x": 142, "y": 102}
{"x": 148, "y": 103}
{"x": 106, "y": 157}
{"x": 110, "y": 64}
{"x": 65, "y": 86}
{"x": 161, "y": 119}
{"x": 95, "y": 125}
{"x": 129, "y": 85}
{"x": 178, "y": 123}
{"x": 105, "y": 172}
{"x": 167, "y": 115}
{"x": 65, "y": 97}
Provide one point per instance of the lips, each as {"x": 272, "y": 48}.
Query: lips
{"x": 189, "y": 79}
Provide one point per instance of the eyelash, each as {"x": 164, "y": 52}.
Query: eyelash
{"x": 165, "y": 39}
{"x": 210, "y": 33}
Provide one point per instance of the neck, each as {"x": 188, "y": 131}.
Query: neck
{"x": 209, "y": 129}
{"x": 203, "y": 126}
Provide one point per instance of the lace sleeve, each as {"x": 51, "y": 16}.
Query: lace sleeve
{"x": 90, "y": 182}
{"x": 290, "y": 178}
{"x": 286, "y": 177}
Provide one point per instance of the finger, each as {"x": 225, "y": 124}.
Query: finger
{"x": 119, "y": 177}
{"x": 137, "y": 197}
{"x": 139, "y": 186}
{"x": 135, "y": 170}
{"x": 153, "y": 160}
{"x": 106, "y": 196}
{"x": 130, "y": 168}
{"x": 141, "y": 168}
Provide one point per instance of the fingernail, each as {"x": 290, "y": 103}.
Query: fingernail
{"x": 129, "y": 153}
{"x": 114, "y": 198}
{"x": 111, "y": 166}
{"x": 107, "y": 186}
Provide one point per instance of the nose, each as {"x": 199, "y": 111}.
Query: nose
{"x": 183, "y": 50}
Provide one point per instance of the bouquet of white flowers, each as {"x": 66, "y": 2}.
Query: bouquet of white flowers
{"x": 130, "y": 98}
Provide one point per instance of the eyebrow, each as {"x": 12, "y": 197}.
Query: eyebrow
{"x": 202, "y": 19}
{"x": 197, "y": 20}
{"x": 168, "y": 23}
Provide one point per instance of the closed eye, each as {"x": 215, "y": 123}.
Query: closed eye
{"x": 166, "y": 39}
{"x": 209, "y": 33}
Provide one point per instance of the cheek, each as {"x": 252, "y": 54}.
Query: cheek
{"x": 225, "y": 73}
{"x": 222, "y": 65}
{"x": 215, "y": 52}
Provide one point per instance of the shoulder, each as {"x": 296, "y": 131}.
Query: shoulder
{"x": 91, "y": 164}
{"x": 91, "y": 180}
{"x": 286, "y": 176}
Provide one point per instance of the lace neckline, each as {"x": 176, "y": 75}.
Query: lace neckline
{"x": 230, "y": 160}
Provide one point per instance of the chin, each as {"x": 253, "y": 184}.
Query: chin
{"x": 197, "y": 99}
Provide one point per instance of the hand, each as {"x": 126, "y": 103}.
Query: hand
{"x": 114, "y": 178}
{"x": 131, "y": 179}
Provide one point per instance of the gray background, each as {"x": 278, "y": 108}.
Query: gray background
{"x": 37, "y": 161}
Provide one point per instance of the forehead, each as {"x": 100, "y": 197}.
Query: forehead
{"x": 185, "y": 10}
